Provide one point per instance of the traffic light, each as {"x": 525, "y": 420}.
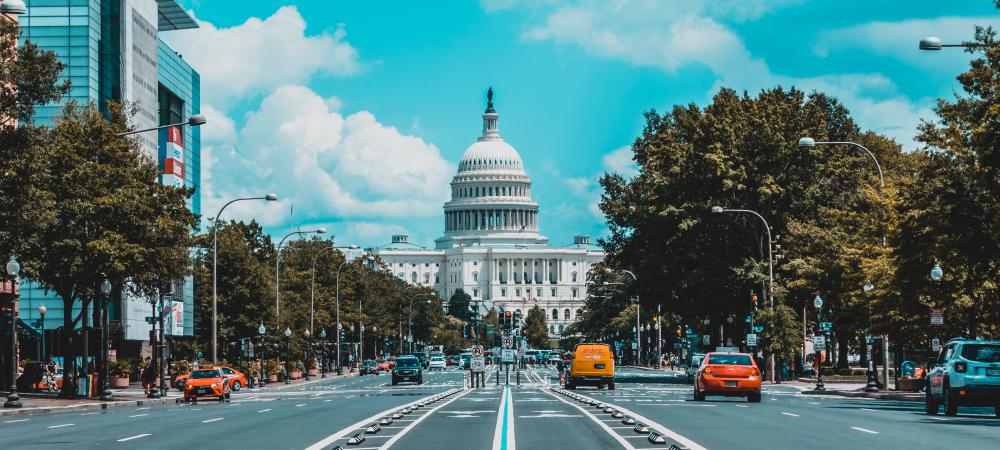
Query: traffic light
{"x": 508, "y": 320}
{"x": 753, "y": 300}
{"x": 517, "y": 320}
{"x": 678, "y": 331}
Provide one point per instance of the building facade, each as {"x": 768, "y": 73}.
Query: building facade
{"x": 492, "y": 247}
{"x": 112, "y": 52}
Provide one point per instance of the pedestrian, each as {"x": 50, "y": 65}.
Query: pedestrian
{"x": 148, "y": 376}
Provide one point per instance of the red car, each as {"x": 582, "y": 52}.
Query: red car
{"x": 728, "y": 374}
{"x": 236, "y": 379}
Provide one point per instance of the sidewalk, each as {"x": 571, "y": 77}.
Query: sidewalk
{"x": 857, "y": 390}
{"x": 133, "y": 396}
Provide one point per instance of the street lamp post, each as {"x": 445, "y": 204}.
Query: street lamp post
{"x": 340, "y": 370}
{"x": 41, "y": 324}
{"x": 638, "y": 306}
{"x": 308, "y": 347}
{"x": 215, "y": 260}
{"x": 263, "y": 362}
{"x": 933, "y": 43}
{"x": 818, "y": 303}
{"x": 288, "y": 352}
{"x": 322, "y": 364}
{"x": 277, "y": 268}
{"x": 106, "y": 394}
{"x": 196, "y": 120}
{"x": 13, "y": 400}
{"x": 871, "y": 374}
{"x": 770, "y": 248}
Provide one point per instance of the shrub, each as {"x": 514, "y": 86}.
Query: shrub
{"x": 120, "y": 368}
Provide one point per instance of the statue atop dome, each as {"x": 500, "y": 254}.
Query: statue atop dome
{"x": 489, "y": 101}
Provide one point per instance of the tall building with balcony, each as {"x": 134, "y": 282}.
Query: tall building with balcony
{"x": 492, "y": 247}
{"x": 112, "y": 51}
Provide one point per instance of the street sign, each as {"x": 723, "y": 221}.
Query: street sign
{"x": 477, "y": 350}
{"x": 819, "y": 343}
{"x": 150, "y": 319}
{"x": 749, "y": 318}
{"x": 706, "y": 339}
{"x": 752, "y": 340}
{"x": 634, "y": 345}
{"x": 935, "y": 345}
{"x": 478, "y": 364}
{"x": 758, "y": 328}
{"x": 937, "y": 316}
{"x": 508, "y": 342}
{"x": 825, "y": 326}
{"x": 508, "y": 355}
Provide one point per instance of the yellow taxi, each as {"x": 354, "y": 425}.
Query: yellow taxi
{"x": 207, "y": 383}
{"x": 592, "y": 365}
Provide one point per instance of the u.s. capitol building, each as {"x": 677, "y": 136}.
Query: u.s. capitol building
{"x": 491, "y": 247}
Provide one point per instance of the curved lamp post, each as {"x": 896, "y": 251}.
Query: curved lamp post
{"x": 288, "y": 352}
{"x": 277, "y": 269}
{"x": 215, "y": 261}
{"x": 818, "y": 304}
{"x": 933, "y": 43}
{"x": 770, "y": 249}
{"x": 322, "y": 364}
{"x": 196, "y": 120}
{"x": 870, "y": 373}
{"x": 340, "y": 370}
{"x": 13, "y": 400}
{"x": 106, "y": 394}
{"x": 41, "y": 322}
{"x": 308, "y": 348}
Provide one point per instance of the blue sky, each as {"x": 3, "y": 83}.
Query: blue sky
{"x": 356, "y": 113}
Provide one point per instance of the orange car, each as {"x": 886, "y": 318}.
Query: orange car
{"x": 383, "y": 365}
{"x": 207, "y": 383}
{"x": 728, "y": 374}
{"x": 236, "y": 379}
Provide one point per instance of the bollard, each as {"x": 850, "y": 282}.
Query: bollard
{"x": 498, "y": 375}
{"x": 518, "y": 377}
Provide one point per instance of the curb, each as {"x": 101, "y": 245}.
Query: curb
{"x": 86, "y": 407}
{"x": 897, "y": 396}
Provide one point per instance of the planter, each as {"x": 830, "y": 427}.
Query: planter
{"x": 910, "y": 384}
{"x": 119, "y": 382}
{"x": 272, "y": 378}
{"x": 296, "y": 374}
{"x": 313, "y": 372}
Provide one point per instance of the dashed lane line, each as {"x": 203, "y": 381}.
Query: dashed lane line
{"x": 16, "y": 421}
{"x": 396, "y": 437}
{"x": 790, "y": 414}
{"x": 864, "y": 430}
{"x": 134, "y": 437}
{"x": 138, "y": 415}
{"x": 61, "y": 426}
{"x": 212, "y": 420}
{"x": 264, "y": 410}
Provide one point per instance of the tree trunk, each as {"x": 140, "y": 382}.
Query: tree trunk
{"x": 843, "y": 342}
{"x": 69, "y": 349}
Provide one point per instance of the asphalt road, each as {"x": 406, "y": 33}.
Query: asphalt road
{"x": 536, "y": 414}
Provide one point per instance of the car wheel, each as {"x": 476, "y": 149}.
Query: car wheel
{"x": 611, "y": 386}
{"x": 420, "y": 380}
{"x": 754, "y": 397}
{"x": 394, "y": 381}
{"x": 950, "y": 402}
{"x": 699, "y": 396}
{"x": 930, "y": 406}
{"x": 236, "y": 386}
{"x": 571, "y": 386}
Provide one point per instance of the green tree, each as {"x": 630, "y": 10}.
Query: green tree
{"x": 535, "y": 329}
{"x": 458, "y": 306}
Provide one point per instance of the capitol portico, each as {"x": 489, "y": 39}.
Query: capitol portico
{"x": 492, "y": 247}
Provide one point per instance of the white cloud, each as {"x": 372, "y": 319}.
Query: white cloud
{"x": 260, "y": 55}
{"x": 672, "y": 35}
{"x": 324, "y": 163}
{"x": 219, "y": 128}
{"x": 620, "y": 161}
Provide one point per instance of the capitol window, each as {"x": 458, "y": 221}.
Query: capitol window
{"x": 553, "y": 292}
{"x": 555, "y": 314}
{"x": 575, "y": 292}
{"x": 503, "y": 292}
{"x": 475, "y": 293}
{"x": 572, "y": 277}
{"x": 566, "y": 314}
{"x": 475, "y": 276}
{"x": 538, "y": 292}
{"x": 517, "y": 293}
{"x": 413, "y": 277}
{"x": 427, "y": 278}
{"x": 561, "y": 328}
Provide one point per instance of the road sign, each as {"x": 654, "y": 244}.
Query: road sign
{"x": 752, "y": 340}
{"x": 935, "y": 345}
{"x": 758, "y": 328}
{"x": 478, "y": 364}
{"x": 825, "y": 326}
{"x": 634, "y": 346}
{"x": 150, "y": 319}
{"x": 508, "y": 355}
{"x": 819, "y": 343}
{"x": 508, "y": 342}
{"x": 937, "y": 316}
{"x": 706, "y": 339}
{"x": 477, "y": 350}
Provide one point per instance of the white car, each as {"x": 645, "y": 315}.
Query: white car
{"x": 437, "y": 363}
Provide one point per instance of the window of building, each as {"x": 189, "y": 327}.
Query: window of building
{"x": 437, "y": 279}
{"x": 517, "y": 293}
{"x": 475, "y": 263}
{"x": 413, "y": 277}
{"x": 475, "y": 293}
{"x": 566, "y": 314}
{"x": 401, "y": 275}
{"x": 502, "y": 277}
{"x": 503, "y": 292}
{"x": 427, "y": 264}
{"x": 561, "y": 328}
{"x": 475, "y": 276}
{"x": 427, "y": 278}
{"x": 572, "y": 277}
{"x": 555, "y": 314}
{"x": 553, "y": 292}
{"x": 171, "y": 107}
{"x": 574, "y": 263}
{"x": 575, "y": 292}
{"x": 517, "y": 277}
{"x": 527, "y": 279}
{"x": 538, "y": 292}
{"x": 552, "y": 329}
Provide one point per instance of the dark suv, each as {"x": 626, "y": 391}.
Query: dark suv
{"x": 407, "y": 368}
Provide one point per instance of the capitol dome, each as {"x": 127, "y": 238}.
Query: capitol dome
{"x": 491, "y": 194}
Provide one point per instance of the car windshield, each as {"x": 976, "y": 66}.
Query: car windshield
{"x": 437, "y": 358}
{"x": 403, "y": 363}
{"x": 981, "y": 352}
{"x": 369, "y": 363}
{"x": 204, "y": 374}
{"x": 736, "y": 360}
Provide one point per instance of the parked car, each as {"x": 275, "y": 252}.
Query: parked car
{"x": 695, "y": 363}
{"x": 965, "y": 373}
{"x": 207, "y": 383}
{"x": 436, "y": 362}
{"x": 407, "y": 368}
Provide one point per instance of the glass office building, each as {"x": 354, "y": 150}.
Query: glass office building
{"x": 112, "y": 51}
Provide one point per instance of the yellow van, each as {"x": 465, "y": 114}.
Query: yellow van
{"x": 593, "y": 365}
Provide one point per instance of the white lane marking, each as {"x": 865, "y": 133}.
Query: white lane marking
{"x": 134, "y": 437}
{"x": 212, "y": 420}
{"x": 816, "y": 403}
{"x": 864, "y": 430}
{"x": 500, "y": 435}
{"x": 328, "y": 400}
{"x": 664, "y": 431}
{"x": 790, "y": 414}
{"x": 264, "y": 410}
{"x": 741, "y": 406}
{"x": 144, "y": 407}
{"x": 88, "y": 414}
{"x": 869, "y": 409}
{"x": 936, "y": 418}
{"x": 409, "y": 427}
{"x": 300, "y": 404}
{"x": 16, "y": 421}
{"x": 61, "y": 426}
{"x": 601, "y": 423}
{"x": 139, "y": 415}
